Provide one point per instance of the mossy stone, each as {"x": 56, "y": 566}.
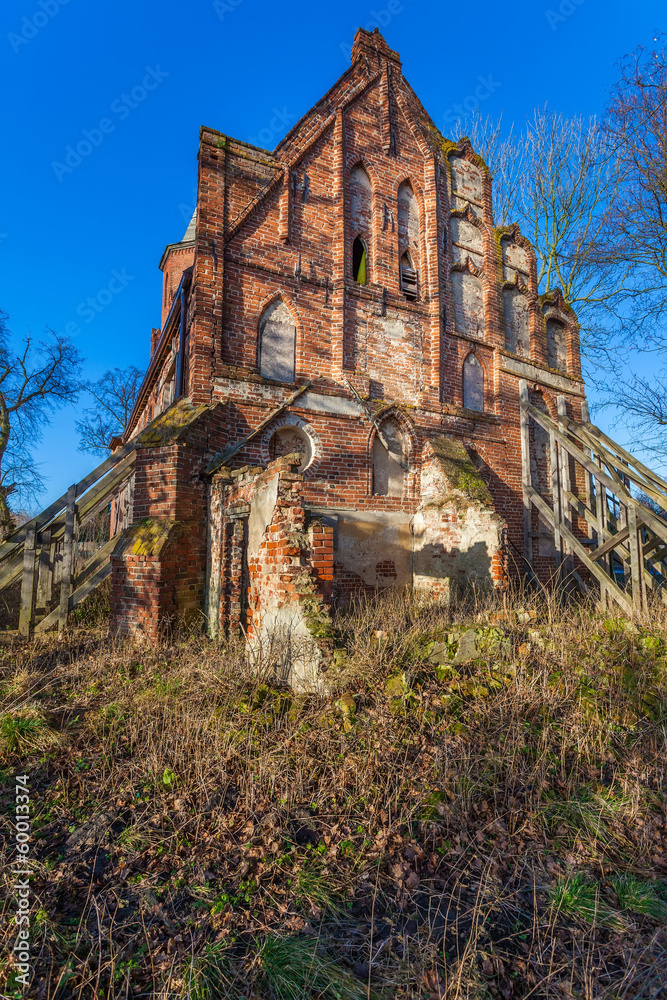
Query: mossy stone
{"x": 459, "y": 469}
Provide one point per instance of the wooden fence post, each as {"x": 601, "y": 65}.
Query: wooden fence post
{"x": 68, "y": 558}
{"x": 28, "y": 583}
{"x": 50, "y": 580}
{"x": 601, "y": 514}
{"x": 45, "y": 571}
{"x": 590, "y": 482}
{"x": 556, "y": 500}
{"x": 636, "y": 559}
{"x": 565, "y": 486}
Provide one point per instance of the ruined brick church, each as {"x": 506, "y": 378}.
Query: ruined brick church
{"x": 332, "y": 401}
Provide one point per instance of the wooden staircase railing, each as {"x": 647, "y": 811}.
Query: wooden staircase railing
{"x": 43, "y": 551}
{"x": 625, "y": 546}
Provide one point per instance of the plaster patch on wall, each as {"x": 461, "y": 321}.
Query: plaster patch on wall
{"x": 533, "y": 374}
{"x": 466, "y": 180}
{"x": 283, "y": 628}
{"x": 261, "y": 512}
{"x": 460, "y": 255}
{"x": 459, "y": 204}
{"x": 467, "y": 235}
{"x": 517, "y": 322}
{"x": 468, "y": 296}
{"x": 515, "y": 256}
{"x": 330, "y": 404}
{"x": 408, "y": 222}
{"x": 277, "y": 344}
{"x": 556, "y": 344}
{"x": 393, "y": 328}
{"x": 368, "y": 539}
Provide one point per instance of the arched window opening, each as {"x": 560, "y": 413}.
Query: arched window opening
{"x": 277, "y": 344}
{"x": 473, "y": 384}
{"x": 361, "y": 222}
{"x": 390, "y": 446}
{"x": 359, "y": 258}
{"x": 408, "y": 239}
{"x": 409, "y": 280}
{"x": 556, "y": 345}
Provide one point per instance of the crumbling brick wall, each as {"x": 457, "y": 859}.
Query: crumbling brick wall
{"x": 460, "y": 541}
{"x": 271, "y": 569}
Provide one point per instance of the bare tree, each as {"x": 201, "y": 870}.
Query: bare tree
{"x": 636, "y": 128}
{"x": 558, "y": 181}
{"x": 636, "y": 233}
{"x": 503, "y": 153}
{"x": 641, "y": 408}
{"x": 35, "y": 380}
{"x": 115, "y": 394}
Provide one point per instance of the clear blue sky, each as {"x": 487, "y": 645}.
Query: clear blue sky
{"x": 153, "y": 72}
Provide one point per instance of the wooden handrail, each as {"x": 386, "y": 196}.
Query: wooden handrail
{"x": 609, "y": 471}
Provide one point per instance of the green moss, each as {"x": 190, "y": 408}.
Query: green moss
{"x": 448, "y": 146}
{"x": 149, "y": 536}
{"x": 170, "y": 425}
{"x": 457, "y": 466}
{"x": 549, "y": 299}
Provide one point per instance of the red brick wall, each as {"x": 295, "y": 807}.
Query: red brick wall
{"x": 177, "y": 261}
{"x": 153, "y": 591}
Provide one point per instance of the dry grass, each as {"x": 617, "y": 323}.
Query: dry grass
{"x": 488, "y": 828}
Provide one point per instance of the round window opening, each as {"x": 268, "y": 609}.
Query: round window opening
{"x": 287, "y": 441}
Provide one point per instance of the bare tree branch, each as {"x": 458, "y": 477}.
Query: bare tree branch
{"x": 114, "y": 395}
{"x": 34, "y": 381}
{"x": 557, "y": 180}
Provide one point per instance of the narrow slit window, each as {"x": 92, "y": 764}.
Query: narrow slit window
{"x": 359, "y": 261}
{"x": 408, "y": 240}
{"x": 408, "y": 278}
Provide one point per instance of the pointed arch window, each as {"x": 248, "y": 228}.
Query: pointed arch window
{"x": 277, "y": 344}
{"x": 359, "y": 261}
{"x": 408, "y": 239}
{"x": 473, "y": 384}
{"x": 390, "y": 448}
{"x": 361, "y": 222}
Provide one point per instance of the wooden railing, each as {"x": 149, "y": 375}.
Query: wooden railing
{"x": 43, "y": 551}
{"x": 625, "y": 546}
